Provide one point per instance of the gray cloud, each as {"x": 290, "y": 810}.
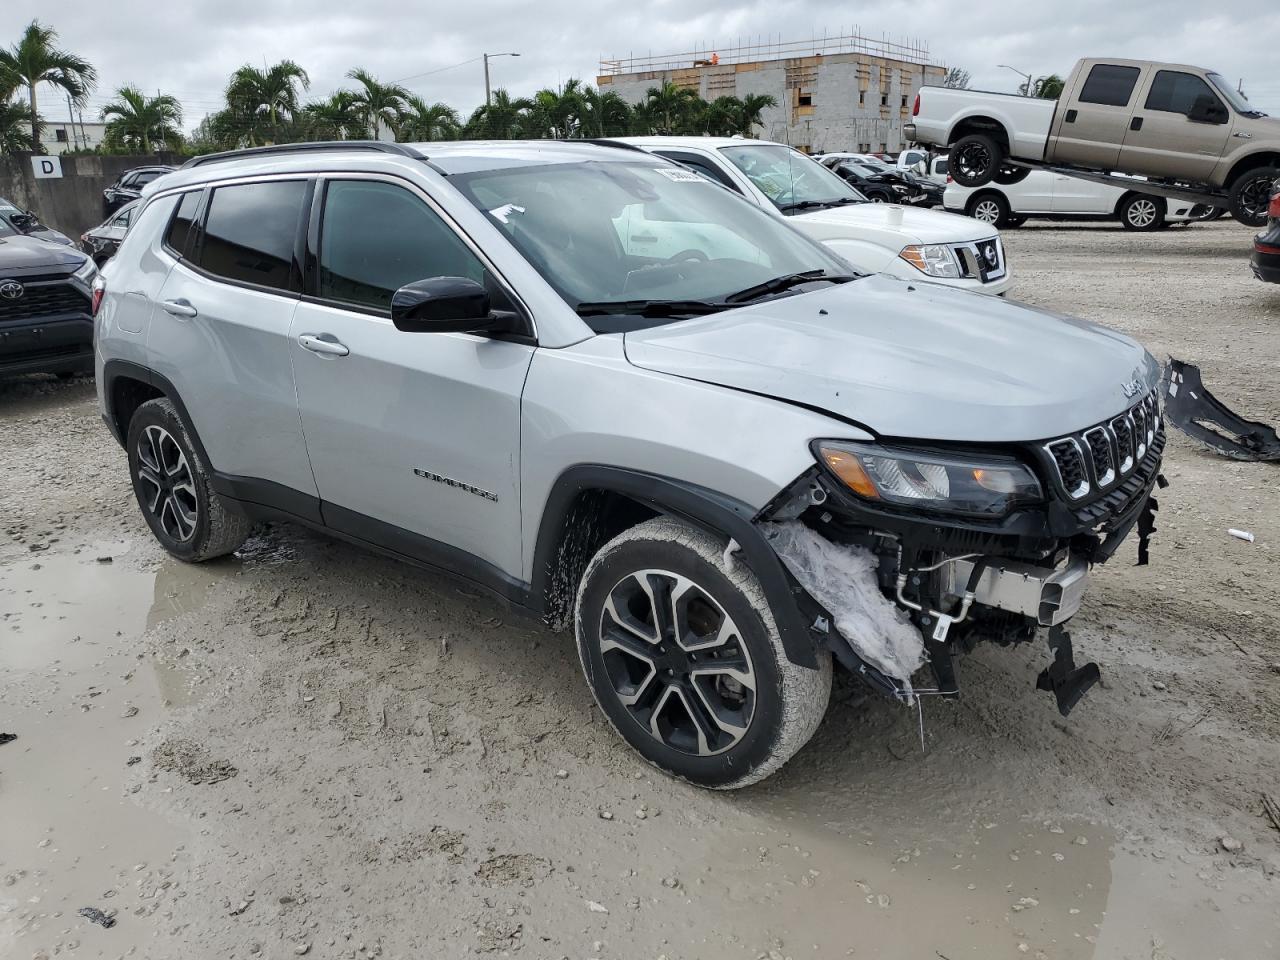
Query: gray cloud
{"x": 190, "y": 52}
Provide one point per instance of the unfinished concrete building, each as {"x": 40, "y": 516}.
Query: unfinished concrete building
{"x": 844, "y": 92}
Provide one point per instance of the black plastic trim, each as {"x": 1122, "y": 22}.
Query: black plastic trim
{"x": 700, "y": 506}
{"x": 248, "y": 153}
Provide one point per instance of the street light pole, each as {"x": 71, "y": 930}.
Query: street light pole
{"x": 1026, "y": 87}
{"x": 488, "y": 96}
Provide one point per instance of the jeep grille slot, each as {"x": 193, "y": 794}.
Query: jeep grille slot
{"x": 1100, "y": 457}
{"x": 1071, "y": 468}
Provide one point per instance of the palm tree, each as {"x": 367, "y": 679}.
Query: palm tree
{"x": 13, "y": 135}
{"x": 135, "y": 120}
{"x": 501, "y": 119}
{"x": 262, "y": 99}
{"x": 722, "y": 116}
{"x": 337, "y": 118}
{"x": 1048, "y": 88}
{"x": 754, "y": 104}
{"x": 672, "y": 106}
{"x": 378, "y": 103}
{"x": 557, "y": 114}
{"x": 423, "y": 121}
{"x": 604, "y": 114}
{"x": 35, "y": 59}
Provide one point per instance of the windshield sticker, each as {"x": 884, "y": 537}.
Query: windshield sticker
{"x": 504, "y": 212}
{"x": 681, "y": 176}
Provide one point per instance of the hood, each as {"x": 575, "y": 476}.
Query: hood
{"x": 871, "y": 221}
{"x": 21, "y": 254}
{"x": 912, "y": 360}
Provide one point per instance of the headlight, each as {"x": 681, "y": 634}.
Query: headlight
{"x": 932, "y": 259}
{"x": 984, "y": 486}
{"x": 86, "y": 273}
{"x": 898, "y": 188}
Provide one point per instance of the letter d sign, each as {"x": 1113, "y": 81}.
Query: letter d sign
{"x": 47, "y": 168}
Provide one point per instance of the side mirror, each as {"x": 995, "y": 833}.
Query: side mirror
{"x": 1207, "y": 109}
{"x": 23, "y": 221}
{"x": 447, "y": 305}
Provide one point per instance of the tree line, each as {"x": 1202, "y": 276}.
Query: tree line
{"x": 267, "y": 105}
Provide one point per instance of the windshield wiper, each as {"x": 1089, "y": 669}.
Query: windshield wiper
{"x": 647, "y": 308}
{"x": 778, "y": 284}
{"x": 805, "y": 205}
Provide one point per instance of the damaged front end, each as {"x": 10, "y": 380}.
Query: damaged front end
{"x": 906, "y": 554}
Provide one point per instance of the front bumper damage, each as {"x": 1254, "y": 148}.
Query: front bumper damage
{"x": 959, "y": 582}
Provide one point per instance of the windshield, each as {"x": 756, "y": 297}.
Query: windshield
{"x": 5, "y": 229}
{"x": 626, "y": 233}
{"x": 788, "y": 177}
{"x": 1233, "y": 96}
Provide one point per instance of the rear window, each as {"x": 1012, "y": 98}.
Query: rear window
{"x": 1109, "y": 85}
{"x": 1175, "y": 92}
{"x": 178, "y": 235}
{"x": 251, "y": 232}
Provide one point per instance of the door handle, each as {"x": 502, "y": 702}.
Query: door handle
{"x": 1070, "y": 116}
{"x": 1135, "y": 123}
{"x": 325, "y": 344}
{"x": 180, "y": 308}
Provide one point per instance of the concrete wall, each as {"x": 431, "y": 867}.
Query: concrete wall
{"x": 835, "y": 102}
{"x": 73, "y": 203}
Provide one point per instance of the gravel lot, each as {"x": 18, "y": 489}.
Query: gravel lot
{"x": 308, "y": 750}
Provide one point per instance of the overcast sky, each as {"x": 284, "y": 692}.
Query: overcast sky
{"x": 189, "y": 49}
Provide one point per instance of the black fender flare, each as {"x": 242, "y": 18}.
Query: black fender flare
{"x": 714, "y": 512}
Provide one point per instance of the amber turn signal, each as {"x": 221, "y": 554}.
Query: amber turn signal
{"x": 851, "y": 472}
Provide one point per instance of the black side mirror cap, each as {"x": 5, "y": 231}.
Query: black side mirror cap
{"x": 448, "y": 305}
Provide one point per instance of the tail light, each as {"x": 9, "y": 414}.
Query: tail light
{"x": 1273, "y": 209}
{"x": 98, "y": 291}
{"x": 949, "y": 180}
{"x": 915, "y": 107}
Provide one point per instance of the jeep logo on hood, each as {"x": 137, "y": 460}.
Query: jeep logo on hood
{"x": 11, "y": 290}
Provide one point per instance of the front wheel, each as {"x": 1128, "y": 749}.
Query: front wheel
{"x": 172, "y": 486}
{"x": 1142, "y": 212}
{"x": 1250, "y": 195}
{"x": 683, "y": 656}
{"x": 990, "y": 208}
{"x": 975, "y": 160}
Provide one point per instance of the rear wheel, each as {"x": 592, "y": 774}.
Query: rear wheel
{"x": 1141, "y": 211}
{"x": 172, "y": 486}
{"x": 975, "y": 160}
{"x": 990, "y": 207}
{"x": 682, "y": 654}
{"x": 1250, "y": 195}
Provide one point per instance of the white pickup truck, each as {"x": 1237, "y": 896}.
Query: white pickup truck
{"x": 1186, "y": 129}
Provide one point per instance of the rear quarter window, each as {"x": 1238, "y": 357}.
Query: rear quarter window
{"x": 1110, "y": 85}
{"x": 178, "y": 236}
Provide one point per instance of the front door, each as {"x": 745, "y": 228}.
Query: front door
{"x": 1093, "y": 120}
{"x": 414, "y": 438}
{"x": 1180, "y": 130}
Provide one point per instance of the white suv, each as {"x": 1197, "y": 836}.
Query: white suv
{"x": 905, "y": 242}
{"x": 628, "y": 401}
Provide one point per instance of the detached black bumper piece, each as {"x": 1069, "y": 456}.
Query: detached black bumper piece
{"x": 1197, "y": 413}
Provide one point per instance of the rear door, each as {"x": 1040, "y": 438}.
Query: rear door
{"x": 221, "y": 335}
{"x": 1092, "y": 123}
{"x": 414, "y": 437}
{"x": 1071, "y": 195}
{"x": 1180, "y": 130}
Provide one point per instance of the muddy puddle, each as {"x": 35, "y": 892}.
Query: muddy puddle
{"x": 80, "y": 693}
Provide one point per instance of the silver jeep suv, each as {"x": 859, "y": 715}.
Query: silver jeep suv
{"x": 623, "y": 398}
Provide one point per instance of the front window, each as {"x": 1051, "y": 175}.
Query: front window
{"x": 639, "y": 234}
{"x": 1239, "y": 102}
{"x": 789, "y": 178}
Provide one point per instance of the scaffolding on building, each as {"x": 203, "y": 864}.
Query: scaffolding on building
{"x": 760, "y": 49}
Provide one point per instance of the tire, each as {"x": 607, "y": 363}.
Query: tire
{"x": 662, "y": 572}
{"x": 1250, "y": 194}
{"x": 975, "y": 160}
{"x": 1014, "y": 222}
{"x": 1210, "y": 215}
{"x": 171, "y": 484}
{"x": 1141, "y": 211}
{"x": 1007, "y": 176}
{"x": 876, "y": 196}
{"x": 989, "y": 207}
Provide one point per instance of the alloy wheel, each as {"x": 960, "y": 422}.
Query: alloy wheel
{"x": 973, "y": 159}
{"x": 1142, "y": 213}
{"x": 677, "y": 662}
{"x": 168, "y": 490}
{"x": 1256, "y": 197}
{"x": 988, "y": 211}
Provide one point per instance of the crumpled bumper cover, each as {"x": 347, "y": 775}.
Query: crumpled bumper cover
{"x": 1205, "y": 419}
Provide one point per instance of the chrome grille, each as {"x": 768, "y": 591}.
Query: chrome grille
{"x": 1097, "y": 459}
{"x": 976, "y": 259}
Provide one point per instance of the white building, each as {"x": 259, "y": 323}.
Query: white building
{"x": 62, "y": 136}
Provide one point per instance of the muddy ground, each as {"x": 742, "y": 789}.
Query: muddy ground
{"x": 309, "y": 750}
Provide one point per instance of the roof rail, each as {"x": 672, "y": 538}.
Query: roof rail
{"x": 608, "y": 142}
{"x": 381, "y": 146}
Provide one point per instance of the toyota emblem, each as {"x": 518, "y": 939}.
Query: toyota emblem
{"x": 11, "y": 290}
